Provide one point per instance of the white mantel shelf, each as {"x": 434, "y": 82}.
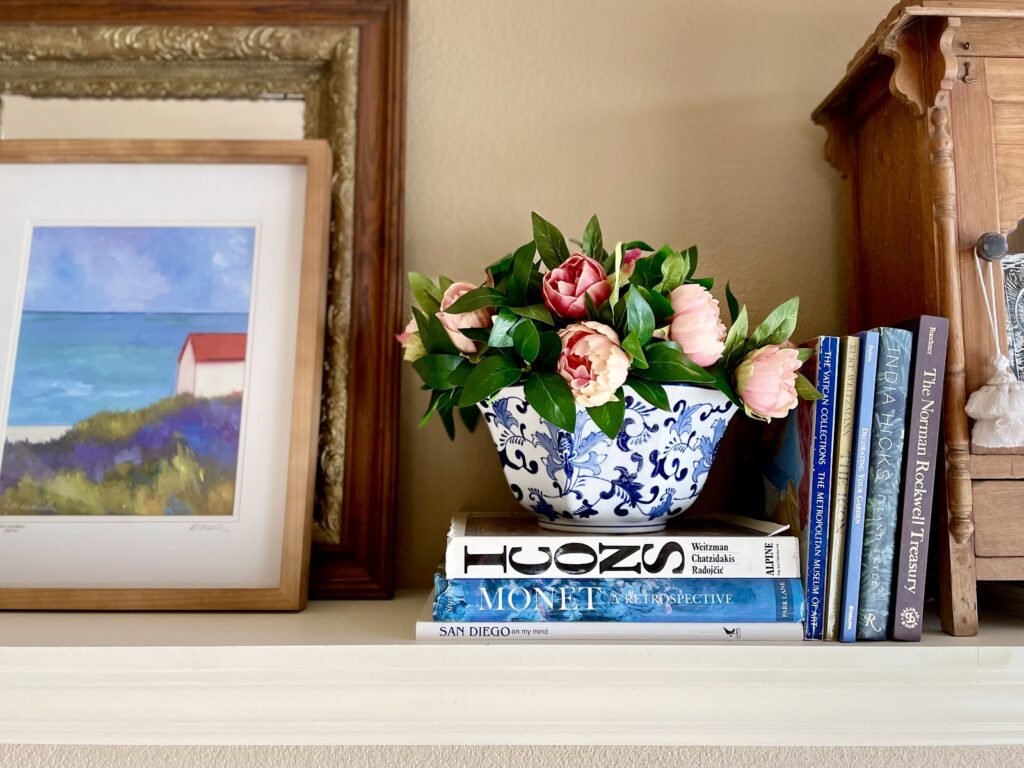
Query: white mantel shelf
{"x": 351, "y": 673}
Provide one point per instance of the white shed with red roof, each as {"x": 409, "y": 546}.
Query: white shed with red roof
{"x": 211, "y": 365}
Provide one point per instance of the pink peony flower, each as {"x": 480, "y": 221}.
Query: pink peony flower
{"x": 412, "y": 347}
{"x": 697, "y": 324}
{"x": 566, "y": 287}
{"x": 766, "y": 381}
{"x": 478, "y": 318}
{"x": 592, "y": 362}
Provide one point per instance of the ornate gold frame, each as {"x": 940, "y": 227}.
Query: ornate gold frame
{"x": 318, "y": 64}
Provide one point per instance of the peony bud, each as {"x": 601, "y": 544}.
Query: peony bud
{"x": 766, "y": 381}
{"x": 453, "y": 323}
{"x": 412, "y": 345}
{"x": 592, "y": 362}
{"x": 697, "y": 324}
{"x": 566, "y": 287}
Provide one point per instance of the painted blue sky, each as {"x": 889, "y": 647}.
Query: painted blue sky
{"x": 140, "y": 269}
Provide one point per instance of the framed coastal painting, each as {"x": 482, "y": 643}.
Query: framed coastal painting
{"x": 264, "y": 69}
{"x": 161, "y": 350}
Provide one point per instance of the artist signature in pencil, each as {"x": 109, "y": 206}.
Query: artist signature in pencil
{"x": 210, "y": 527}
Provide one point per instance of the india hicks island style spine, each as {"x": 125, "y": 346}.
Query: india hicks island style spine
{"x": 884, "y": 475}
{"x": 922, "y": 440}
{"x": 858, "y": 491}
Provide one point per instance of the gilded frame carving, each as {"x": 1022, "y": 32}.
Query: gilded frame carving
{"x": 318, "y": 64}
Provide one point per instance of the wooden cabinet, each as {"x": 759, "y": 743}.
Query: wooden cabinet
{"x": 927, "y": 131}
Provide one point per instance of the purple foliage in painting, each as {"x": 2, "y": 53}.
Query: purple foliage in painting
{"x": 207, "y": 429}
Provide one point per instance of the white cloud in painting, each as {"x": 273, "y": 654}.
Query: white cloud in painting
{"x": 140, "y": 269}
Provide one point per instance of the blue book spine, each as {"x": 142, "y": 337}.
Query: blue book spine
{"x": 822, "y": 445}
{"x": 885, "y": 471}
{"x": 622, "y": 600}
{"x": 859, "y": 457}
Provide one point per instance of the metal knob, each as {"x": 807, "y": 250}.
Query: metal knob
{"x": 992, "y": 246}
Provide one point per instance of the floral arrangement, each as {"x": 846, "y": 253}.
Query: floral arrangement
{"x": 575, "y": 327}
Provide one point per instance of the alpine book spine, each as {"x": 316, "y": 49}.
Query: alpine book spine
{"x": 924, "y": 408}
{"x": 666, "y": 557}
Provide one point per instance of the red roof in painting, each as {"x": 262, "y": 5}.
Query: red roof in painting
{"x": 215, "y": 347}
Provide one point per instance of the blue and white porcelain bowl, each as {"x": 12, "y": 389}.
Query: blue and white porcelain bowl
{"x": 584, "y": 481}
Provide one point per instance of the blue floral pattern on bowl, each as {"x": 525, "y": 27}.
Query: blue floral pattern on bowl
{"x": 653, "y": 470}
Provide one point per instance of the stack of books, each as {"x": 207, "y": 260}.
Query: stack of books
{"x": 854, "y": 472}
{"x": 722, "y": 578}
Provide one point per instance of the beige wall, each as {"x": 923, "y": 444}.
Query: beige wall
{"x": 680, "y": 121}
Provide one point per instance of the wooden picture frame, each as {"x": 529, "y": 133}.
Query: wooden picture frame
{"x": 277, "y": 241}
{"x": 346, "y": 59}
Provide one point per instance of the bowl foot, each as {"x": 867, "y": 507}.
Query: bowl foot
{"x": 584, "y": 526}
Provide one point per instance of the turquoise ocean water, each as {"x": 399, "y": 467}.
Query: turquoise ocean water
{"x": 69, "y": 366}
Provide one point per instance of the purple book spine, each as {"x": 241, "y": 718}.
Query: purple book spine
{"x": 924, "y": 409}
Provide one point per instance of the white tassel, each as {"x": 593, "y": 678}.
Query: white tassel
{"x": 998, "y": 407}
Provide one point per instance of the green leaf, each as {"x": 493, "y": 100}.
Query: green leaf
{"x": 536, "y": 312}
{"x": 691, "y": 259}
{"x": 736, "y": 337}
{"x": 673, "y": 271}
{"x": 652, "y": 392}
{"x": 522, "y": 266}
{"x": 619, "y": 315}
{"x": 434, "y": 337}
{"x": 479, "y": 298}
{"x": 722, "y": 382}
{"x": 666, "y": 362}
{"x": 446, "y": 418}
{"x": 633, "y": 346}
{"x": 642, "y": 273}
{"x": 481, "y": 335}
{"x": 445, "y": 283}
{"x": 435, "y": 398}
{"x": 500, "y": 269}
{"x": 779, "y": 325}
{"x": 610, "y": 415}
{"x": 550, "y": 349}
{"x": 618, "y": 275}
{"x": 639, "y": 316}
{"x": 549, "y": 241}
{"x": 637, "y": 244}
{"x": 805, "y": 389}
{"x": 661, "y": 306}
{"x": 501, "y": 330}
{"x": 526, "y": 340}
{"x": 592, "y": 311}
{"x": 440, "y": 371}
{"x": 426, "y": 293}
{"x": 734, "y": 305}
{"x": 593, "y": 244}
{"x": 804, "y": 354}
{"x": 704, "y": 282}
{"x": 470, "y": 417}
{"x": 491, "y": 375}
{"x": 550, "y": 396}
